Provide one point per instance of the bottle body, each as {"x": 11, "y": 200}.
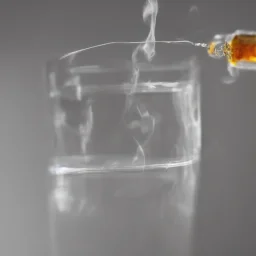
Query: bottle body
{"x": 239, "y": 48}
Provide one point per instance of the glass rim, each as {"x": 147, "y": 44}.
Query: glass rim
{"x": 188, "y": 66}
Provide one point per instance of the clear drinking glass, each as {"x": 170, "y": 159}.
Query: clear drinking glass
{"x": 127, "y": 151}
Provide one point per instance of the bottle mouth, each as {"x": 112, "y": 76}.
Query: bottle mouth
{"x": 216, "y": 49}
{"x": 218, "y": 46}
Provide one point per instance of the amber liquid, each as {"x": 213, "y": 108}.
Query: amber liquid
{"x": 242, "y": 48}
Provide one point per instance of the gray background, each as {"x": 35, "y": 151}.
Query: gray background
{"x": 34, "y": 31}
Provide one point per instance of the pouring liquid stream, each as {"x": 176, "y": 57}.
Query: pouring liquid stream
{"x": 204, "y": 45}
